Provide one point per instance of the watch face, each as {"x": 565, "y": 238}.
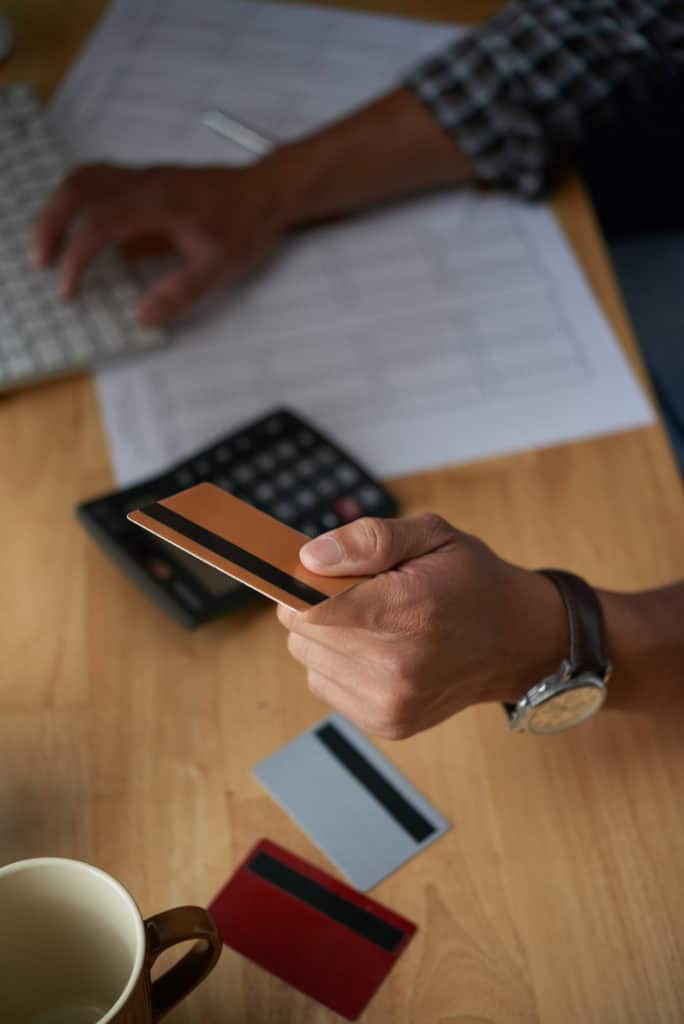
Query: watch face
{"x": 566, "y": 709}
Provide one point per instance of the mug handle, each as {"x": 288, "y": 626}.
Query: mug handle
{"x": 167, "y": 929}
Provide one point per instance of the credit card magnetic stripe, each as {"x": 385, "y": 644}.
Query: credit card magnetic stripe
{"x": 403, "y": 812}
{"x": 233, "y": 553}
{"x": 363, "y": 922}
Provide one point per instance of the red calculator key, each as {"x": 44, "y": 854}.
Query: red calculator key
{"x": 348, "y": 508}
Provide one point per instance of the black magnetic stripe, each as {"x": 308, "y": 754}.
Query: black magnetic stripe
{"x": 225, "y": 549}
{"x": 404, "y": 813}
{"x": 361, "y": 921}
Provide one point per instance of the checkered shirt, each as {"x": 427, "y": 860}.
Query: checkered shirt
{"x": 519, "y": 92}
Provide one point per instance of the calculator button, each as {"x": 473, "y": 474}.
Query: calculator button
{"x": 160, "y": 570}
{"x": 264, "y": 492}
{"x": 348, "y": 508}
{"x": 202, "y": 467}
{"x": 309, "y": 528}
{"x": 306, "y": 498}
{"x": 285, "y": 479}
{"x": 325, "y": 455}
{"x": 285, "y": 510}
{"x": 329, "y": 521}
{"x": 285, "y": 449}
{"x": 347, "y": 474}
{"x": 369, "y": 496}
{"x": 244, "y": 473}
{"x": 222, "y": 454}
{"x": 265, "y": 462}
{"x": 305, "y": 467}
{"x": 326, "y": 487}
{"x": 224, "y": 483}
{"x": 184, "y": 477}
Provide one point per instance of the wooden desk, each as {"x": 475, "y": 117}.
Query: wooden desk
{"x": 559, "y": 895}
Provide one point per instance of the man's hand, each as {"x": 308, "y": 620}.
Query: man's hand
{"x": 443, "y": 623}
{"x": 221, "y": 220}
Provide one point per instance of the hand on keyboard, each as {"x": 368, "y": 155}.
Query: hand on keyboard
{"x": 222, "y": 220}
{"x": 40, "y": 336}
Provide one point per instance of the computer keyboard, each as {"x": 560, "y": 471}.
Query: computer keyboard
{"x": 40, "y": 334}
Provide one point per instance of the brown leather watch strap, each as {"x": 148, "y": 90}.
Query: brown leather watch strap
{"x": 585, "y": 623}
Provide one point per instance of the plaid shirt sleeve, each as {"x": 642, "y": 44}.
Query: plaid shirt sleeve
{"x": 517, "y": 93}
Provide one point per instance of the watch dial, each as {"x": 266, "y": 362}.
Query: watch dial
{"x": 566, "y": 709}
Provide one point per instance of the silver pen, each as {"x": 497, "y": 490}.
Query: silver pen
{"x": 237, "y": 131}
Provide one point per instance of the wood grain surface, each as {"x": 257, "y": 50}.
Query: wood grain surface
{"x": 125, "y": 741}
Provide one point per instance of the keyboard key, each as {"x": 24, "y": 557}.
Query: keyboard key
{"x": 329, "y": 521}
{"x": 49, "y": 353}
{"x": 20, "y": 365}
{"x": 10, "y": 343}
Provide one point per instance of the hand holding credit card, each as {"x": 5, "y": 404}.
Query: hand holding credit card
{"x": 239, "y": 540}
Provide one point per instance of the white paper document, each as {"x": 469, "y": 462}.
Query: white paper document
{"x": 434, "y": 331}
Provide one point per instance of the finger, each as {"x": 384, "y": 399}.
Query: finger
{"x": 106, "y": 228}
{"x": 287, "y": 617}
{"x": 335, "y": 665}
{"x": 355, "y": 708}
{"x": 369, "y": 610}
{"x": 176, "y": 292}
{"x": 369, "y": 546}
{"x": 53, "y": 221}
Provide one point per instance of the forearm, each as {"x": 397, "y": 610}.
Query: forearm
{"x": 391, "y": 148}
{"x": 645, "y": 643}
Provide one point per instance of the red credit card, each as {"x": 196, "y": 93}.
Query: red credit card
{"x": 323, "y": 938}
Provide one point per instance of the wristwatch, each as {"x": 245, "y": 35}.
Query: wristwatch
{"x": 578, "y": 689}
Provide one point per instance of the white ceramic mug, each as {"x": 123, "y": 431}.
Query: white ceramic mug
{"x": 74, "y": 948}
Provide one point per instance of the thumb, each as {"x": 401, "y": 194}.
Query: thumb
{"x": 369, "y": 546}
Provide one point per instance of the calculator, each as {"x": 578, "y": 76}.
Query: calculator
{"x": 279, "y": 463}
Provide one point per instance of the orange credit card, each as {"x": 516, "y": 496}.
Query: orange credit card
{"x": 239, "y": 540}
